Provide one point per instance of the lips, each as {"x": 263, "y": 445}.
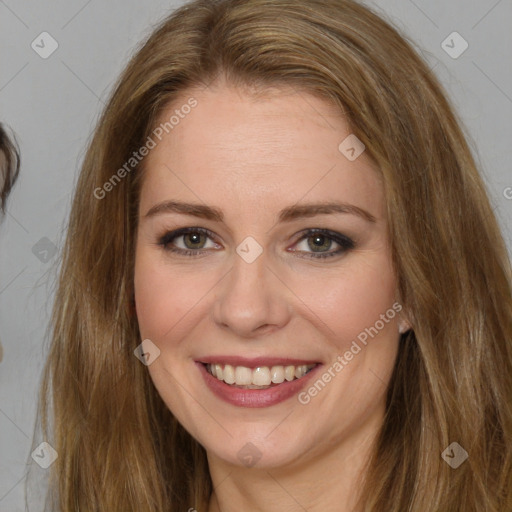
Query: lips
{"x": 248, "y": 396}
{"x": 256, "y": 361}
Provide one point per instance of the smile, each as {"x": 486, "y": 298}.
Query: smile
{"x": 261, "y": 377}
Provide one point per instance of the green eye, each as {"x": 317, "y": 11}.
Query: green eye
{"x": 319, "y": 239}
{"x": 194, "y": 240}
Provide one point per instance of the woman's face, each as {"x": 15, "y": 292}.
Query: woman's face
{"x": 251, "y": 288}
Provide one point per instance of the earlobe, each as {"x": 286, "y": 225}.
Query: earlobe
{"x": 402, "y": 321}
{"x": 403, "y": 326}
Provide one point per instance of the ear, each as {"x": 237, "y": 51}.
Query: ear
{"x": 403, "y": 321}
{"x": 404, "y": 326}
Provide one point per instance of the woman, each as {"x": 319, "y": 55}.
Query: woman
{"x": 283, "y": 286}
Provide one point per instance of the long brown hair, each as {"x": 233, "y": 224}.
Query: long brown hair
{"x": 119, "y": 447}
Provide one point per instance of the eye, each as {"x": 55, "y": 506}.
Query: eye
{"x": 317, "y": 242}
{"x": 193, "y": 240}
{"x": 319, "y": 239}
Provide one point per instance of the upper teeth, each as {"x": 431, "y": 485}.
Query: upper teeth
{"x": 261, "y": 376}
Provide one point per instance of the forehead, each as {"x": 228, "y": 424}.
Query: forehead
{"x": 266, "y": 148}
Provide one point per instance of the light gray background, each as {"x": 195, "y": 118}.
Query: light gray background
{"x": 52, "y": 105}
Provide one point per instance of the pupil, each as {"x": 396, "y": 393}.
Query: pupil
{"x": 320, "y": 241}
{"x": 194, "y": 237}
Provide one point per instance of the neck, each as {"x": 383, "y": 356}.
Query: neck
{"x": 329, "y": 479}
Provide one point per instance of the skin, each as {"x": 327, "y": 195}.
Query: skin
{"x": 251, "y": 157}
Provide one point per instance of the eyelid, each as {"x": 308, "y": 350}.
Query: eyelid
{"x": 176, "y": 233}
{"x": 345, "y": 242}
{"x": 323, "y": 231}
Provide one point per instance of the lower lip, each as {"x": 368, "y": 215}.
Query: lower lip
{"x": 255, "y": 397}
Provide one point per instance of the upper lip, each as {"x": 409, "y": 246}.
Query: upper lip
{"x": 255, "y": 362}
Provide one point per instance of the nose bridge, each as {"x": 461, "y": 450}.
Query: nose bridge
{"x": 251, "y": 296}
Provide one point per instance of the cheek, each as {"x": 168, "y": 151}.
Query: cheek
{"x": 344, "y": 302}
{"x": 154, "y": 301}
{"x": 164, "y": 297}
{"x": 352, "y": 301}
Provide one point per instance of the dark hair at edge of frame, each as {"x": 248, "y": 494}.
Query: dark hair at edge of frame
{"x": 9, "y": 165}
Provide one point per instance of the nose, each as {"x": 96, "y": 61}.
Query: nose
{"x": 252, "y": 299}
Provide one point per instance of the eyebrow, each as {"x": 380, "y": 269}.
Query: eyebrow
{"x": 287, "y": 214}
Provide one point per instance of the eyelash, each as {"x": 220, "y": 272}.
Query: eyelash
{"x": 345, "y": 242}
